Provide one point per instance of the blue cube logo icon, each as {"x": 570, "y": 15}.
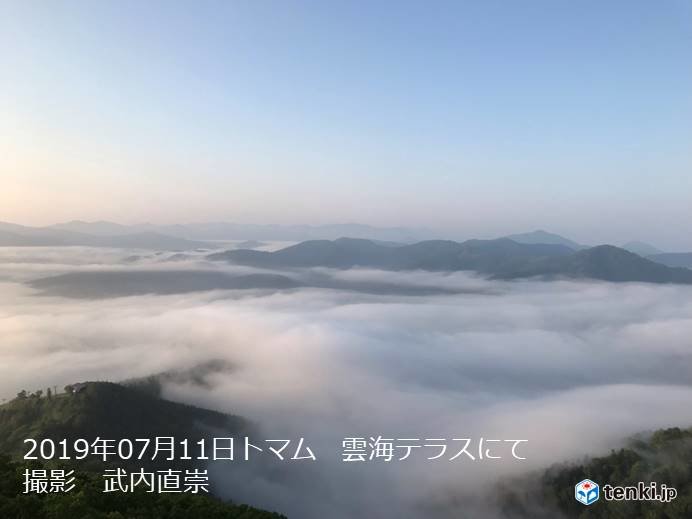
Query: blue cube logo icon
{"x": 586, "y": 492}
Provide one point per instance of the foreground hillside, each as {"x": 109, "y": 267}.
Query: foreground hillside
{"x": 106, "y": 410}
{"x": 664, "y": 457}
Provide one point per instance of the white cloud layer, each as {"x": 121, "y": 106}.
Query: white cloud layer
{"x": 572, "y": 367}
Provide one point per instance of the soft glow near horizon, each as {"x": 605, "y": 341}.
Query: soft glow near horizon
{"x": 475, "y": 118}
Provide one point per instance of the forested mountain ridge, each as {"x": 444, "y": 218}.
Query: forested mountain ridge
{"x": 501, "y": 259}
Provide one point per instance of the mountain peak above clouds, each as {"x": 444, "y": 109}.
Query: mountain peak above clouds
{"x": 641, "y": 248}
{"x": 541, "y": 236}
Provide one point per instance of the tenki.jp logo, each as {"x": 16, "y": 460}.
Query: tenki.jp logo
{"x": 586, "y": 492}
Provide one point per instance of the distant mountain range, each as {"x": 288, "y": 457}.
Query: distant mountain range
{"x": 502, "y": 258}
{"x": 13, "y": 235}
{"x": 96, "y": 284}
{"x": 641, "y": 248}
{"x": 541, "y": 236}
{"x": 674, "y": 259}
{"x": 221, "y": 231}
{"x": 234, "y": 231}
{"x": 188, "y": 236}
{"x": 184, "y": 237}
{"x": 607, "y": 263}
{"x": 120, "y": 283}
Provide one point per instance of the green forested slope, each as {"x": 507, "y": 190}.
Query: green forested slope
{"x": 663, "y": 457}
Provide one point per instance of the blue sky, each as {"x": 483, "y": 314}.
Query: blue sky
{"x": 476, "y": 118}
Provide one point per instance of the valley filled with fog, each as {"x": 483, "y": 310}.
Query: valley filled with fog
{"x": 574, "y": 367}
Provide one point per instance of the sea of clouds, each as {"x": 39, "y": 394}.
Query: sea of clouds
{"x": 572, "y": 367}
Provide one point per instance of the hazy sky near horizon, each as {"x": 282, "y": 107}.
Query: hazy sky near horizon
{"x": 475, "y": 117}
